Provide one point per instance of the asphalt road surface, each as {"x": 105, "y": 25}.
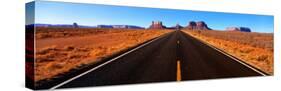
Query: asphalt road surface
{"x": 173, "y": 57}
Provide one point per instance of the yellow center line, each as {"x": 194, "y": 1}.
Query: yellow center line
{"x": 178, "y": 71}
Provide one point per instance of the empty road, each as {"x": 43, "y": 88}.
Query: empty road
{"x": 173, "y": 57}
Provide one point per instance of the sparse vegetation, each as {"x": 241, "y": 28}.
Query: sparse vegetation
{"x": 57, "y": 53}
{"x": 254, "y": 48}
{"x": 53, "y": 32}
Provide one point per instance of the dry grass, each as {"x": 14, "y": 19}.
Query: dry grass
{"x": 52, "y": 32}
{"x": 254, "y": 48}
{"x": 57, "y": 55}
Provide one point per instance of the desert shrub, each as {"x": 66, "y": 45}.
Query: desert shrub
{"x": 46, "y": 50}
{"x": 69, "y": 48}
{"x": 262, "y": 57}
{"x": 246, "y": 50}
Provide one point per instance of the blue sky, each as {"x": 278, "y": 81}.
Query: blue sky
{"x": 93, "y": 14}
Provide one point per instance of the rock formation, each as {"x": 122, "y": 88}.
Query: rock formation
{"x": 178, "y": 26}
{"x": 200, "y": 25}
{"x": 191, "y": 25}
{"x": 120, "y": 26}
{"x": 75, "y": 25}
{"x": 241, "y": 29}
{"x": 156, "y": 25}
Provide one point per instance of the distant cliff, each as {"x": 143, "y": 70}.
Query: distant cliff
{"x": 157, "y": 25}
{"x": 120, "y": 26}
{"x": 75, "y": 25}
{"x": 200, "y": 25}
{"x": 241, "y": 29}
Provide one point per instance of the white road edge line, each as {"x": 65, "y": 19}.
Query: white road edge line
{"x": 236, "y": 59}
{"x": 71, "y": 79}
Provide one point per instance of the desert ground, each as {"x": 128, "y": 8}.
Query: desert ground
{"x": 255, "y": 49}
{"x": 58, "y": 50}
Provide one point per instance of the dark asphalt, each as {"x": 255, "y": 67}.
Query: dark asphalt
{"x": 157, "y": 62}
